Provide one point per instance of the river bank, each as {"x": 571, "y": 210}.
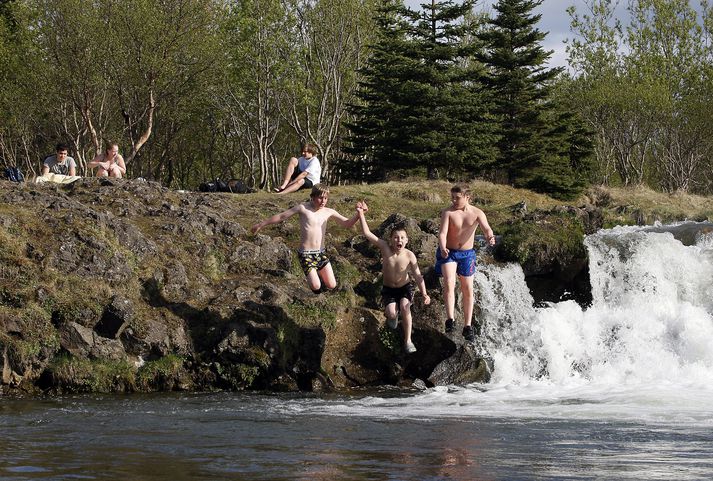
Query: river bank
{"x": 126, "y": 286}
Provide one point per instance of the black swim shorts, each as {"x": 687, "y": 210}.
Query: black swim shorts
{"x": 395, "y": 294}
{"x": 312, "y": 259}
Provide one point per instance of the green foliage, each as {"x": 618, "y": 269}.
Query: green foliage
{"x": 552, "y": 237}
{"x": 155, "y": 374}
{"x": 312, "y": 314}
{"x": 534, "y": 146}
{"x": 422, "y": 102}
{"x": 641, "y": 88}
{"x": 238, "y": 376}
{"x": 390, "y": 338}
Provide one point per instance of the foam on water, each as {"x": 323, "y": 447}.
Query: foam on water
{"x": 643, "y": 351}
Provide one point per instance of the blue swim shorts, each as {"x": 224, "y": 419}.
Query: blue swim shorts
{"x": 464, "y": 258}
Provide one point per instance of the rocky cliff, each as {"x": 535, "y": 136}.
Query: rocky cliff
{"x": 124, "y": 285}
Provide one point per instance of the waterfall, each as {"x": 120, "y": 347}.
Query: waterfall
{"x": 651, "y": 319}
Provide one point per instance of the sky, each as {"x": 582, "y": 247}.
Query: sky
{"x": 555, "y": 20}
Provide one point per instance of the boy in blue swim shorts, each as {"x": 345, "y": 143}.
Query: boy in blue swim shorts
{"x": 455, "y": 256}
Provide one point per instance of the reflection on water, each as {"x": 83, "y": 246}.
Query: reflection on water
{"x": 251, "y": 437}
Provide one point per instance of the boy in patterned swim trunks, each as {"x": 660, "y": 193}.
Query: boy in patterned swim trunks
{"x": 455, "y": 254}
{"x": 400, "y": 270}
{"x": 314, "y": 215}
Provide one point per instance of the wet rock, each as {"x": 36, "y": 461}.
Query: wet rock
{"x": 464, "y": 367}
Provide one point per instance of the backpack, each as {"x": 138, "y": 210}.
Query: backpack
{"x": 14, "y": 174}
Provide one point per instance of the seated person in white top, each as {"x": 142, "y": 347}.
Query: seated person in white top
{"x": 110, "y": 163}
{"x": 60, "y": 163}
{"x": 302, "y": 173}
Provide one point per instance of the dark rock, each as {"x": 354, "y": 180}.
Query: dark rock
{"x": 464, "y": 367}
{"x": 115, "y": 317}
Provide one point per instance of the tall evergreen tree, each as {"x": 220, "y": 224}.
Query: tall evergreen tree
{"x": 448, "y": 104}
{"x": 375, "y": 141}
{"x": 533, "y": 146}
{"x": 422, "y": 104}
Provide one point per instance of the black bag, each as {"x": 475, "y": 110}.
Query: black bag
{"x": 237, "y": 186}
{"x": 208, "y": 187}
{"x": 14, "y": 174}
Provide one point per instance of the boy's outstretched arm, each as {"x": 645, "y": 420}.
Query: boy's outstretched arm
{"x": 343, "y": 221}
{"x": 370, "y": 236}
{"x": 275, "y": 219}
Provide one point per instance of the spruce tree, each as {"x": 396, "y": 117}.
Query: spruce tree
{"x": 448, "y": 102}
{"x": 375, "y": 140}
{"x": 422, "y": 103}
{"x": 534, "y": 146}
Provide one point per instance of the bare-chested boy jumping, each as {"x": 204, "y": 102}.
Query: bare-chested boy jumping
{"x": 455, "y": 254}
{"x": 314, "y": 215}
{"x": 399, "y": 269}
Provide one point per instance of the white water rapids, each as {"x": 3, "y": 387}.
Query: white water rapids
{"x": 642, "y": 352}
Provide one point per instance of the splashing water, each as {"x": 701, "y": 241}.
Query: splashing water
{"x": 642, "y": 351}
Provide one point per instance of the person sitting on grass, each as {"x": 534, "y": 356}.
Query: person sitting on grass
{"x": 314, "y": 215}
{"x": 60, "y": 163}
{"x": 110, "y": 163}
{"x": 399, "y": 271}
{"x": 302, "y": 173}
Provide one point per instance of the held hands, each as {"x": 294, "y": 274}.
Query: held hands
{"x": 361, "y": 206}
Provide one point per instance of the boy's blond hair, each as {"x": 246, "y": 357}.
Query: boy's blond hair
{"x": 318, "y": 190}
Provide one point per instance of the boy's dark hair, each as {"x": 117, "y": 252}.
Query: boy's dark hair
{"x": 62, "y": 146}
{"x": 395, "y": 229}
{"x": 461, "y": 189}
{"x": 108, "y": 144}
{"x": 318, "y": 190}
{"x": 309, "y": 148}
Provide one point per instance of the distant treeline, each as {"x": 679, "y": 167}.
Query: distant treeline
{"x": 199, "y": 89}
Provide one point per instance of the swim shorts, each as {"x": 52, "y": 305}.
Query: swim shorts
{"x": 464, "y": 258}
{"x": 312, "y": 259}
{"x": 395, "y": 294}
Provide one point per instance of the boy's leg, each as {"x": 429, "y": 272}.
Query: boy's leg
{"x": 406, "y": 325}
{"x": 466, "y": 287}
{"x": 327, "y": 275}
{"x": 406, "y": 319}
{"x": 313, "y": 280}
{"x": 391, "y": 313}
{"x": 293, "y": 186}
{"x": 449, "y": 295}
{"x": 289, "y": 170}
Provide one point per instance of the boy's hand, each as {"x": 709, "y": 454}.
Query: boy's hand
{"x": 361, "y": 205}
{"x": 426, "y": 299}
{"x": 256, "y": 228}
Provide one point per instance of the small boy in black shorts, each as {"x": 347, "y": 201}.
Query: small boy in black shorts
{"x": 400, "y": 269}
